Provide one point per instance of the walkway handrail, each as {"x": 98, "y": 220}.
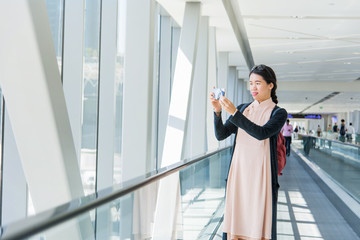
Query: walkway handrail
{"x": 44, "y": 220}
{"x": 333, "y": 140}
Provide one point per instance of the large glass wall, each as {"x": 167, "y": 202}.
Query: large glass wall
{"x": 163, "y": 35}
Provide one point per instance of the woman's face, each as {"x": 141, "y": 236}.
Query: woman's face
{"x": 259, "y": 88}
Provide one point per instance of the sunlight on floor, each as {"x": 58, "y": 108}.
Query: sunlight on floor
{"x": 295, "y": 218}
{"x": 198, "y": 210}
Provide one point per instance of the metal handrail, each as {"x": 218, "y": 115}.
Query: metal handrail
{"x": 333, "y": 140}
{"x": 42, "y": 221}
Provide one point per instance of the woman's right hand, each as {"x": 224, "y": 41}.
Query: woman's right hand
{"x": 215, "y": 103}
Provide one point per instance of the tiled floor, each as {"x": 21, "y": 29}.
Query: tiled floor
{"x": 304, "y": 212}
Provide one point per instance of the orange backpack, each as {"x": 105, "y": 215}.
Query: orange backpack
{"x": 281, "y": 150}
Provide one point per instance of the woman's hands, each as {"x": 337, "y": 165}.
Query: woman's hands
{"x": 215, "y": 103}
{"x": 223, "y": 102}
{"x": 227, "y": 105}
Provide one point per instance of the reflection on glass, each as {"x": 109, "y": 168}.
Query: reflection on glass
{"x": 119, "y": 80}
{"x": 55, "y": 12}
{"x": 198, "y": 214}
{"x": 340, "y": 160}
{"x": 79, "y": 228}
{"x": 202, "y": 196}
{"x": 90, "y": 95}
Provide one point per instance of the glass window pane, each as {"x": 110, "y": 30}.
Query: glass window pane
{"x": 90, "y": 95}
{"x": 119, "y": 80}
{"x": 55, "y": 12}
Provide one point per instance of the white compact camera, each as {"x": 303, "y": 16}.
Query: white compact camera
{"x": 218, "y": 92}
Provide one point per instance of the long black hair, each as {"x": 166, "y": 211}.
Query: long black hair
{"x": 269, "y": 76}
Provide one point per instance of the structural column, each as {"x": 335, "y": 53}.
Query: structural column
{"x": 164, "y": 81}
{"x": 355, "y": 120}
{"x": 196, "y": 132}
{"x": 240, "y": 90}
{"x": 106, "y": 122}
{"x": 138, "y": 87}
{"x": 223, "y": 64}
{"x": 169, "y": 192}
{"x": 73, "y": 66}
{"x": 137, "y": 144}
{"x": 14, "y": 187}
{"x": 106, "y": 119}
{"x": 40, "y": 121}
{"x": 181, "y": 89}
{"x": 231, "y": 92}
{"x": 212, "y": 82}
{"x": 246, "y": 93}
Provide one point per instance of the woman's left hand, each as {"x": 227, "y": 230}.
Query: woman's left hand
{"x": 227, "y": 105}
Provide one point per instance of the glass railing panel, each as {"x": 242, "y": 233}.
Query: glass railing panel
{"x": 198, "y": 212}
{"x": 348, "y": 138}
{"x": 202, "y": 196}
{"x": 340, "y": 160}
{"x": 80, "y": 227}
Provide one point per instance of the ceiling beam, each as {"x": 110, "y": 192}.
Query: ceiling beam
{"x": 331, "y": 95}
{"x": 323, "y": 86}
{"x": 233, "y": 12}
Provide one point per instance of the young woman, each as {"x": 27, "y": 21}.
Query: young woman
{"x": 252, "y": 184}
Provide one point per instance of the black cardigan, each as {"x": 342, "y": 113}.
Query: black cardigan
{"x": 270, "y": 130}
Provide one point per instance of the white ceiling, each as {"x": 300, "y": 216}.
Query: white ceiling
{"x": 310, "y": 43}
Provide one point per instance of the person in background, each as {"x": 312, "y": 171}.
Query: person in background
{"x": 342, "y": 131}
{"x": 329, "y": 128}
{"x": 335, "y": 128}
{"x": 287, "y": 130}
{"x": 296, "y": 130}
{"x": 318, "y": 131}
{"x": 342, "y": 128}
{"x": 350, "y": 131}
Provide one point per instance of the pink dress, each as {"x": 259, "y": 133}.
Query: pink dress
{"x": 248, "y": 203}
